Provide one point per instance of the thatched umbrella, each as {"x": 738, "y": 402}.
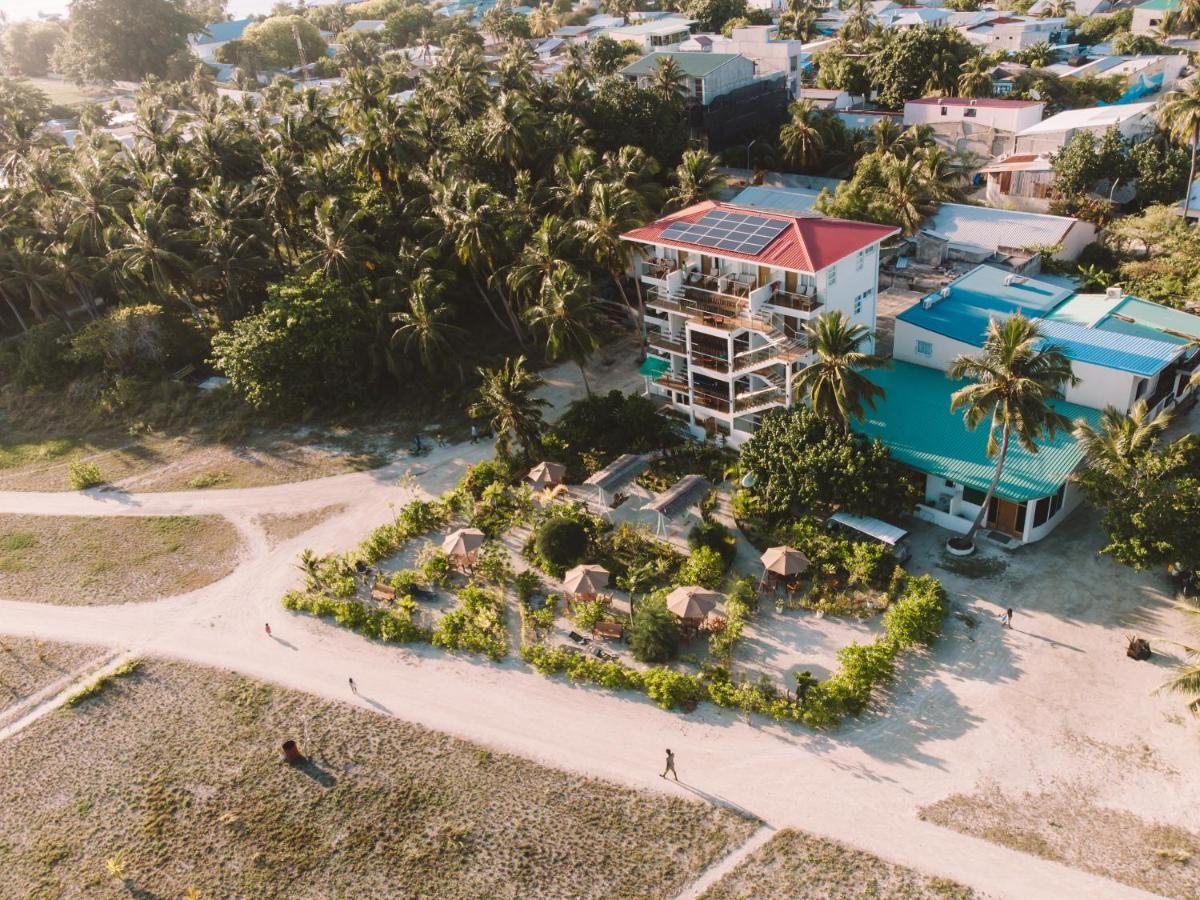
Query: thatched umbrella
{"x": 463, "y": 543}
{"x": 547, "y": 474}
{"x": 692, "y": 603}
{"x": 785, "y": 561}
{"x": 586, "y": 581}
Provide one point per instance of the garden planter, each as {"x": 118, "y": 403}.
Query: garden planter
{"x": 955, "y": 547}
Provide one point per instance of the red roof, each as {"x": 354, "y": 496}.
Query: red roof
{"x": 805, "y": 245}
{"x": 984, "y": 102}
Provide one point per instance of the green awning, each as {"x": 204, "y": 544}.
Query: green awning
{"x": 653, "y": 367}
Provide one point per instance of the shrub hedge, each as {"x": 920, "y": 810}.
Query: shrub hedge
{"x": 915, "y": 618}
{"x": 395, "y": 627}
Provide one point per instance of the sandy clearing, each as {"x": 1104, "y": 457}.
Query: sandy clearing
{"x": 986, "y": 701}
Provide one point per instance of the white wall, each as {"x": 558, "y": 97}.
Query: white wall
{"x": 1099, "y": 386}
{"x": 1009, "y": 118}
{"x": 1078, "y": 236}
{"x": 853, "y": 280}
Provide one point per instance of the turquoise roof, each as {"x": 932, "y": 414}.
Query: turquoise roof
{"x": 223, "y": 31}
{"x": 915, "y": 423}
{"x": 1155, "y": 320}
{"x": 1164, "y": 5}
{"x": 962, "y": 310}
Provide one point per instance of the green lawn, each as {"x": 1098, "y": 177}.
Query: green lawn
{"x": 61, "y": 93}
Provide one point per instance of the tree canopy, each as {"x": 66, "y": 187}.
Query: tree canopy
{"x": 123, "y": 39}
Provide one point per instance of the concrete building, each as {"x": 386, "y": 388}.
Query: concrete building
{"x": 1134, "y": 120}
{"x": 1015, "y": 32}
{"x": 770, "y": 53}
{"x": 725, "y": 94}
{"x": 657, "y": 34}
{"x": 983, "y": 126}
{"x": 1123, "y": 349}
{"x": 1141, "y": 75}
{"x": 729, "y": 290}
{"x": 1002, "y": 237}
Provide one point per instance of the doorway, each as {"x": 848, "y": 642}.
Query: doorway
{"x": 1005, "y": 516}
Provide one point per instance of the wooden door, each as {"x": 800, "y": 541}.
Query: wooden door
{"x": 764, "y": 275}
{"x": 1006, "y": 517}
{"x": 705, "y": 264}
{"x": 789, "y": 282}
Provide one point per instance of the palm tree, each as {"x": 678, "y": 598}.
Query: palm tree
{"x": 1180, "y": 115}
{"x": 613, "y": 210}
{"x": 340, "y": 247}
{"x": 149, "y": 251}
{"x": 906, "y": 188}
{"x": 975, "y": 76}
{"x": 423, "y": 328}
{"x": 1186, "y": 680}
{"x": 1057, "y": 9}
{"x": 800, "y": 139}
{"x": 669, "y": 82}
{"x": 1113, "y": 447}
{"x": 567, "y": 314}
{"x": 858, "y": 24}
{"x": 834, "y": 384}
{"x": 544, "y": 251}
{"x": 1014, "y": 378}
{"x": 697, "y": 178}
{"x": 506, "y": 398}
{"x": 542, "y": 20}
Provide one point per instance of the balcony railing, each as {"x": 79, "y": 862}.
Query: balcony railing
{"x": 711, "y": 361}
{"x": 671, "y": 383}
{"x": 800, "y": 302}
{"x": 669, "y": 344}
{"x": 711, "y": 401}
{"x": 658, "y": 269}
{"x": 758, "y": 399}
{"x": 777, "y": 352}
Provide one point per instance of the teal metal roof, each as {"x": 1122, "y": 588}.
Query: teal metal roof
{"x": 1160, "y": 322}
{"x": 915, "y": 423}
{"x": 1164, "y": 5}
{"x": 963, "y": 309}
{"x": 653, "y": 367}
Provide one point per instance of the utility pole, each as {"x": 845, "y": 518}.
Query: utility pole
{"x": 300, "y": 50}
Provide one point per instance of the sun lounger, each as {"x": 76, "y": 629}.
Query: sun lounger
{"x": 579, "y": 638}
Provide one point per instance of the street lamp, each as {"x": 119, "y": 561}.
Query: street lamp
{"x": 748, "y": 146}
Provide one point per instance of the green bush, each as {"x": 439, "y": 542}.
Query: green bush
{"x": 608, "y": 674}
{"x": 484, "y": 474}
{"x": 527, "y": 584}
{"x": 436, "y": 566}
{"x": 671, "y": 689}
{"x": 492, "y": 564}
{"x": 394, "y": 626}
{"x": 868, "y": 563}
{"x": 405, "y": 581}
{"x": 83, "y": 475}
{"x": 561, "y": 542}
{"x": 704, "y": 567}
{"x": 477, "y": 626}
{"x": 654, "y": 636}
{"x": 716, "y": 537}
{"x": 916, "y": 618}
{"x": 587, "y": 614}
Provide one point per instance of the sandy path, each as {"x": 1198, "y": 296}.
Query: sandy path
{"x": 993, "y": 702}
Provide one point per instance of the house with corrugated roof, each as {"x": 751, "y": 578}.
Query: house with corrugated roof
{"x": 728, "y": 291}
{"x": 1148, "y": 17}
{"x": 1123, "y": 350}
{"x": 216, "y": 35}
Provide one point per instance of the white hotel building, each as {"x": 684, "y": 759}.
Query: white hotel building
{"x": 728, "y": 292}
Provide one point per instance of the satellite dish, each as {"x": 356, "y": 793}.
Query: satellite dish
{"x": 748, "y": 480}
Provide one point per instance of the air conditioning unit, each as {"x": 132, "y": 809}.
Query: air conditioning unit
{"x": 1114, "y": 292}
{"x": 944, "y": 501}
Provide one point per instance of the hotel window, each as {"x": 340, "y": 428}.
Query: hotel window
{"x": 831, "y": 279}
{"x": 973, "y": 496}
{"x": 969, "y": 113}
{"x": 858, "y": 260}
{"x": 925, "y": 348}
{"x": 858, "y": 302}
{"x": 945, "y": 111}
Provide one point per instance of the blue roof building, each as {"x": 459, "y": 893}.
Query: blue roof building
{"x": 1122, "y": 349}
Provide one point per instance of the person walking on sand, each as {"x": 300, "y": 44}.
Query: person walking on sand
{"x": 1006, "y": 618}
{"x": 268, "y": 627}
{"x": 353, "y": 687}
{"x": 474, "y": 435}
{"x": 670, "y": 766}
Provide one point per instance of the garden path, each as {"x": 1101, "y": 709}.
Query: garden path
{"x": 987, "y": 704}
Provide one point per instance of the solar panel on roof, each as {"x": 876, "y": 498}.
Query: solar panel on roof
{"x": 723, "y": 230}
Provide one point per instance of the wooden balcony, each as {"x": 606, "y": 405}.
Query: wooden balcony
{"x": 659, "y": 341}
{"x": 801, "y": 302}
